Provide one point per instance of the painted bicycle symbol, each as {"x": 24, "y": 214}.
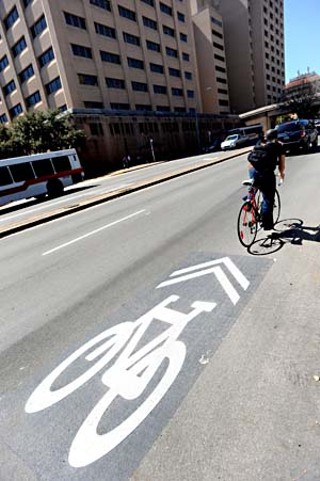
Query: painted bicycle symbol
{"x": 127, "y": 377}
{"x": 126, "y": 368}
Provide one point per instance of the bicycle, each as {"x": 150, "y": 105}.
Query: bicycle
{"x": 250, "y": 218}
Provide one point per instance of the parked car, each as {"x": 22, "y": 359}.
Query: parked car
{"x": 298, "y": 135}
{"x": 317, "y": 125}
{"x": 214, "y": 146}
{"x": 234, "y": 141}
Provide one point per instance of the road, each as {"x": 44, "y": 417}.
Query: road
{"x": 140, "y": 341}
{"x": 18, "y": 215}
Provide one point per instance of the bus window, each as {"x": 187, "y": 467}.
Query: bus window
{"x": 43, "y": 167}
{"x": 22, "y": 172}
{"x": 61, "y": 164}
{"x": 5, "y": 177}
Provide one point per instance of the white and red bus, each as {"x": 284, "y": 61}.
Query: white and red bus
{"x": 38, "y": 175}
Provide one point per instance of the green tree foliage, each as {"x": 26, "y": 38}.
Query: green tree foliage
{"x": 39, "y": 131}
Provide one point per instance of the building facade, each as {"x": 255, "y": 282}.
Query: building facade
{"x": 126, "y": 70}
{"x": 254, "y": 41}
{"x": 211, "y": 57}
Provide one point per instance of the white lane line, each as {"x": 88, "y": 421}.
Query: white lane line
{"x": 65, "y": 199}
{"x": 93, "y": 232}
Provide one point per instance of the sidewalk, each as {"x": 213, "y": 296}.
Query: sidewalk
{"x": 201, "y": 162}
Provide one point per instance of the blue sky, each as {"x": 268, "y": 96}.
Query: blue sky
{"x": 302, "y": 36}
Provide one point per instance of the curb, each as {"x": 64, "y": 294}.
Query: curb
{"x": 96, "y": 200}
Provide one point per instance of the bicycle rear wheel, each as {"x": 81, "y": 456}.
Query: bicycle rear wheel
{"x": 276, "y": 207}
{"x": 247, "y": 224}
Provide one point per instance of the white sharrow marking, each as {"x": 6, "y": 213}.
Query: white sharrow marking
{"x": 93, "y": 232}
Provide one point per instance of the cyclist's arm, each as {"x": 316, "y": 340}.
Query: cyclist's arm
{"x": 282, "y": 166}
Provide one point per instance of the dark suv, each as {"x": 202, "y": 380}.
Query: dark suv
{"x": 298, "y": 135}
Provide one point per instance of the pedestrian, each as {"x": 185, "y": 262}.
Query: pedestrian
{"x": 125, "y": 161}
{"x": 266, "y": 156}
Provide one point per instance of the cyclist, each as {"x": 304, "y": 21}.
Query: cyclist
{"x": 263, "y": 160}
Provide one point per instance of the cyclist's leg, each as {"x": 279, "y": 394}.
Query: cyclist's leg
{"x": 267, "y": 186}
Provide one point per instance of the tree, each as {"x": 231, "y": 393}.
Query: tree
{"x": 39, "y": 131}
{"x": 303, "y": 101}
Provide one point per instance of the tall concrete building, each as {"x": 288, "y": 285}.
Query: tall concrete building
{"x": 210, "y": 55}
{"x": 254, "y": 42}
{"x": 97, "y": 53}
{"x": 125, "y": 69}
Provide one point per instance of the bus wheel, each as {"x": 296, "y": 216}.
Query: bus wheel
{"x": 54, "y": 188}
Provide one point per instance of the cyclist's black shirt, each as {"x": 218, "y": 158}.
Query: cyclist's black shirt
{"x": 268, "y": 159}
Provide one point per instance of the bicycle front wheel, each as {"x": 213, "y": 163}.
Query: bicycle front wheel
{"x": 247, "y": 224}
{"x": 276, "y": 207}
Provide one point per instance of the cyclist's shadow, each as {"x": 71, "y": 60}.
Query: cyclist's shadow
{"x": 285, "y": 231}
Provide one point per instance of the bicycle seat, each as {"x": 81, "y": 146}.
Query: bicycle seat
{"x": 248, "y": 182}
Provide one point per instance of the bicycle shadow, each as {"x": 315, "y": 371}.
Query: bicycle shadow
{"x": 285, "y": 231}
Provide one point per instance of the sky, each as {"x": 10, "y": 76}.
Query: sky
{"x": 302, "y": 36}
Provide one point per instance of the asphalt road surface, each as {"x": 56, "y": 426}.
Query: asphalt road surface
{"x": 140, "y": 341}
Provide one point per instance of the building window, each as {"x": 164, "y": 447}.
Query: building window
{"x": 139, "y": 86}
{"x": 183, "y": 37}
{"x": 3, "y": 120}
{"x": 218, "y": 46}
{"x": 148, "y": 22}
{"x": 105, "y": 4}
{"x": 148, "y": 2}
{"x": 171, "y": 52}
{"x": 219, "y": 57}
{"x": 160, "y": 89}
{"x": 223, "y": 103}
{"x": 177, "y": 92}
{"x": 185, "y": 57}
{"x": 188, "y": 75}
{"x": 38, "y": 27}
{"x": 162, "y": 108}
{"x": 143, "y": 107}
{"x": 81, "y": 51}
{"x": 19, "y": 47}
{"x": 119, "y": 106}
{"x": 75, "y": 20}
{"x": 26, "y": 3}
{"x": 46, "y": 57}
{"x": 165, "y": 9}
{"x": 86, "y": 79}
{"x": 25, "y": 74}
{"x": 9, "y": 88}
{"x": 216, "y": 22}
{"x": 217, "y": 34}
{"x": 33, "y": 99}
{"x": 129, "y": 38}
{"x": 174, "y": 72}
{"x": 168, "y": 30}
{"x": 135, "y": 63}
{"x": 105, "y": 30}
{"x": 110, "y": 57}
{"x": 181, "y": 17}
{"x": 126, "y": 13}
{"x": 154, "y": 67}
{"x": 96, "y": 129}
{"x": 16, "y": 110}
{"x": 153, "y": 46}
{"x": 53, "y": 86}
{"x": 221, "y": 80}
{"x": 220, "y": 69}
{"x": 11, "y": 18}
{"x": 91, "y": 104}
{"x": 3, "y": 62}
{"x": 115, "y": 83}
{"x": 223, "y": 91}
{"x": 190, "y": 94}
